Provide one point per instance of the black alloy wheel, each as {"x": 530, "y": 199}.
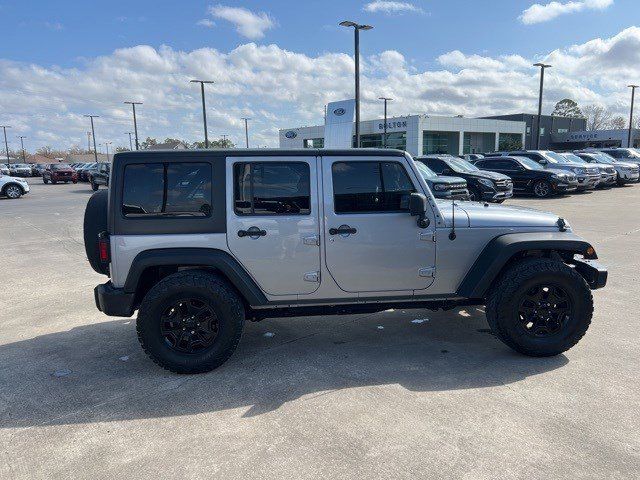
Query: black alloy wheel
{"x": 189, "y": 325}
{"x": 544, "y": 310}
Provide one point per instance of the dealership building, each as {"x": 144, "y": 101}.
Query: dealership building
{"x": 422, "y": 134}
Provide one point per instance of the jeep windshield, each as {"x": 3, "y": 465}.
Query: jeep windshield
{"x": 461, "y": 166}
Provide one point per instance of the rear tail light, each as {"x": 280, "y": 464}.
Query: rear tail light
{"x": 103, "y": 247}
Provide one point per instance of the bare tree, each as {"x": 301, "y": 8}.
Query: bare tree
{"x": 618, "y": 123}
{"x": 567, "y": 108}
{"x": 598, "y": 117}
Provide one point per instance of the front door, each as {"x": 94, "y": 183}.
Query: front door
{"x": 372, "y": 242}
{"x": 273, "y": 221}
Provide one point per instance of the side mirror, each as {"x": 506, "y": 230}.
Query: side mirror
{"x": 418, "y": 208}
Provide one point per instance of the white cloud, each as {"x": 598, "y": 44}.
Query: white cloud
{"x": 279, "y": 88}
{"x": 205, "y": 22}
{"x": 539, "y": 13}
{"x": 248, "y": 24}
{"x": 390, "y": 7}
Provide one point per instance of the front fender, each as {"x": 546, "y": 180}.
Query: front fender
{"x": 500, "y": 250}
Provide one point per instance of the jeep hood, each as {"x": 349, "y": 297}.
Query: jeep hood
{"x": 491, "y": 215}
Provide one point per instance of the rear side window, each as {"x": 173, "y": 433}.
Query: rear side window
{"x": 271, "y": 188}
{"x": 370, "y": 187}
{"x": 167, "y": 189}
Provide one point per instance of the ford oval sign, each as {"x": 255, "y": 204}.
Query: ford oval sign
{"x": 339, "y": 112}
{"x": 291, "y": 134}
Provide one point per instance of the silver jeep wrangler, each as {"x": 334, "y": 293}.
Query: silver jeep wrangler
{"x": 200, "y": 241}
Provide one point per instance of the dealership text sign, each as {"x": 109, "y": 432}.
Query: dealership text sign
{"x": 394, "y": 124}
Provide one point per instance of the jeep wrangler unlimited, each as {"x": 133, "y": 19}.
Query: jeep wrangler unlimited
{"x": 200, "y": 241}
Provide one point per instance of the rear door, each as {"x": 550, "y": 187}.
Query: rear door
{"x": 372, "y": 242}
{"x": 273, "y": 221}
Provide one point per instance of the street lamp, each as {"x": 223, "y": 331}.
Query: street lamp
{"x": 93, "y": 134}
{"x": 135, "y": 122}
{"x": 633, "y": 97}
{"x": 6, "y": 144}
{"x": 542, "y": 68}
{"x": 246, "y": 130}
{"x": 386, "y": 99}
{"x": 204, "y": 110}
{"x": 22, "y": 137}
{"x": 356, "y": 29}
{"x": 106, "y": 144}
{"x": 130, "y": 143}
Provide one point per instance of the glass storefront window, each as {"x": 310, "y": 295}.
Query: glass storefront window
{"x": 435, "y": 142}
{"x": 314, "y": 143}
{"x": 394, "y": 140}
{"x": 510, "y": 141}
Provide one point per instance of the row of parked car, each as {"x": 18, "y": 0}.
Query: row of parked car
{"x": 496, "y": 176}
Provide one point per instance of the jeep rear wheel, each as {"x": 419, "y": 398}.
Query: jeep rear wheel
{"x": 540, "y": 307}
{"x": 190, "y": 322}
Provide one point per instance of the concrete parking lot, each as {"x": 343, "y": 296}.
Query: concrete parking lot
{"x": 363, "y": 396}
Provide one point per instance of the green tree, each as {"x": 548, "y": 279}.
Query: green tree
{"x": 222, "y": 143}
{"x": 148, "y": 142}
{"x": 567, "y": 108}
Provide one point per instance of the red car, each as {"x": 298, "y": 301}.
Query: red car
{"x": 59, "y": 172}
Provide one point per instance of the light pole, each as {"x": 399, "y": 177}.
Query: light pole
{"x": 246, "y": 130}
{"x": 22, "y": 137}
{"x": 130, "y": 143}
{"x": 89, "y": 142}
{"x": 93, "y": 134}
{"x": 356, "y": 30}
{"x": 6, "y": 144}
{"x": 106, "y": 144}
{"x": 135, "y": 122}
{"x": 384, "y": 139}
{"x": 633, "y": 97}
{"x": 204, "y": 109}
{"x": 542, "y": 69}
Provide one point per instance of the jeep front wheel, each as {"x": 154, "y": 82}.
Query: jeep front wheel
{"x": 540, "y": 307}
{"x": 190, "y": 322}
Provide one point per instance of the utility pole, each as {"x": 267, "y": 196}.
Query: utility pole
{"x": 542, "y": 69}
{"x": 356, "y": 30}
{"x": 246, "y": 130}
{"x": 135, "y": 122}
{"x": 204, "y": 109}
{"x": 633, "y": 97}
{"x": 93, "y": 134}
{"x": 130, "y": 143}
{"x": 6, "y": 144}
{"x": 22, "y": 137}
{"x": 384, "y": 139}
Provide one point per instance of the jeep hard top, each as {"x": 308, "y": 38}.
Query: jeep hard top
{"x": 198, "y": 241}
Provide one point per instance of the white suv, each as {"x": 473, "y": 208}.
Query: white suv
{"x": 13, "y": 187}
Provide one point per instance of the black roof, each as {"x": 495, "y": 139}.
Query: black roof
{"x": 152, "y": 155}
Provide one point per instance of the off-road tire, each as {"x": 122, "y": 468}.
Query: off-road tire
{"x": 504, "y": 297}
{"x": 542, "y": 186}
{"x": 227, "y": 306}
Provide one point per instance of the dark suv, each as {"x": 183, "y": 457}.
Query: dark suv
{"x": 530, "y": 177}
{"x": 482, "y": 185}
{"x": 99, "y": 176}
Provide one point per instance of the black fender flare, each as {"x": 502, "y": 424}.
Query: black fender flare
{"x": 196, "y": 257}
{"x": 497, "y": 253}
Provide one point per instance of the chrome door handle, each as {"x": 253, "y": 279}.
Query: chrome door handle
{"x": 253, "y": 232}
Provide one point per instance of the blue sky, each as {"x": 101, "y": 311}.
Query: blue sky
{"x": 64, "y": 32}
{"x": 61, "y": 59}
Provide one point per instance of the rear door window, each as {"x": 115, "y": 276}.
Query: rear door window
{"x": 272, "y": 188}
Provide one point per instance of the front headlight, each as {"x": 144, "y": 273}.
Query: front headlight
{"x": 439, "y": 187}
{"x": 579, "y": 171}
{"x": 486, "y": 182}
{"x": 558, "y": 176}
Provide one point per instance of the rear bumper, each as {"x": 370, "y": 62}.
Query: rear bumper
{"x": 593, "y": 272}
{"x": 113, "y": 301}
